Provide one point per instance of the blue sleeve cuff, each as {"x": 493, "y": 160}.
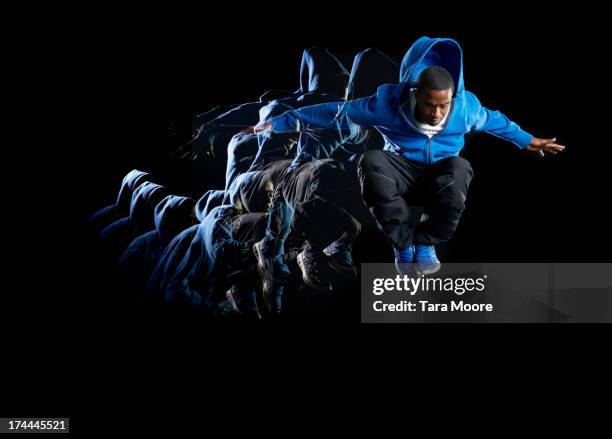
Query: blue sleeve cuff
{"x": 523, "y": 139}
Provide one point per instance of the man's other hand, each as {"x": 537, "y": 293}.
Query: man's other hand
{"x": 545, "y": 145}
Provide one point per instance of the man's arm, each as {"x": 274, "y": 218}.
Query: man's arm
{"x": 497, "y": 124}
{"x": 359, "y": 111}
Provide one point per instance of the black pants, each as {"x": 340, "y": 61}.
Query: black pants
{"x": 323, "y": 222}
{"x": 397, "y": 190}
{"x": 322, "y": 179}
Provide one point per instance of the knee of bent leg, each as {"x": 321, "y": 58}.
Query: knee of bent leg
{"x": 461, "y": 169}
{"x": 452, "y": 194}
{"x": 371, "y": 160}
{"x": 376, "y": 185}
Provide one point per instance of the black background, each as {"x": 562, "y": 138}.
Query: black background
{"x": 119, "y": 91}
{"x": 521, "y": 208}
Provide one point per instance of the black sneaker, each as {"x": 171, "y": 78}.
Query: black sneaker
{"x": 273, "y": 273}
{"x": 244, "y": 305}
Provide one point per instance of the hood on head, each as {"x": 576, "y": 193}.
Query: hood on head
{"x": 172, "y": 215}
{"x": 371, "y": 69}
{"x": 207, "y": 202}
{"x": 130, "y": 182}
{"x": 433, "y": 52}
{"x": 322, "y": 72}
{"x": 144, "y": 199}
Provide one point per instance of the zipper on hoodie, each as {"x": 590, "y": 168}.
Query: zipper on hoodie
{"x": 401, "y": 111}
{"x": 429, "y": 139}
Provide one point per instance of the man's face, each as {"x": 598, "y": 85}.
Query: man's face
{"x": 432, "y": 105}
{"x": 238, "y": 204}
{"x": 269, "y": 188}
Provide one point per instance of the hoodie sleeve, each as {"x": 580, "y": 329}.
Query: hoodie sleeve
{"x": 238, "y": 115}
{"x": 359, "y": 111}
{"x": 495, "y": 123}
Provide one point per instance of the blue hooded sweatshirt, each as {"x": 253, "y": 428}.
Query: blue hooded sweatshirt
{"x": 117, "y": 236}
{"x": 207, "y": 202}
{"x": 172, "y": 215}
{"x": 121, "y": 208}
{"x": 184, "y": 270}
{"x": 244, "y": 148}
{"x": 389, "y": 112}
{"x": 193, "y": 259}
{"x": 323, "y": 79}
{"x": 320, "y": 73}
{"x": 371, "y": 69}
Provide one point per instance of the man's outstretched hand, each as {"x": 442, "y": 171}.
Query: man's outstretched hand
{"x": 545, "y": 145}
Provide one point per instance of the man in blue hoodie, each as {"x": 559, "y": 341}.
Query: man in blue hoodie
{"x": 423, "y": 121}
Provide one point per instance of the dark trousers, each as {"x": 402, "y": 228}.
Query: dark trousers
{"x": 315, "y": 191}
{"x": 397, "y": 191}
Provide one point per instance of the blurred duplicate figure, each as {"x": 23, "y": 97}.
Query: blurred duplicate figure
{"x": 423, "y": 120}
{"x": 323, "y": 78}
{"x": 116, "y": 237}
{"x": 202, "y": 262}
{"x": 321, "y": 74}
{"x": 371, "y": 68}
{"x": 121, "y": 208}
{"x": 314, "y": 194}
{"x": 172, "y": 215}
